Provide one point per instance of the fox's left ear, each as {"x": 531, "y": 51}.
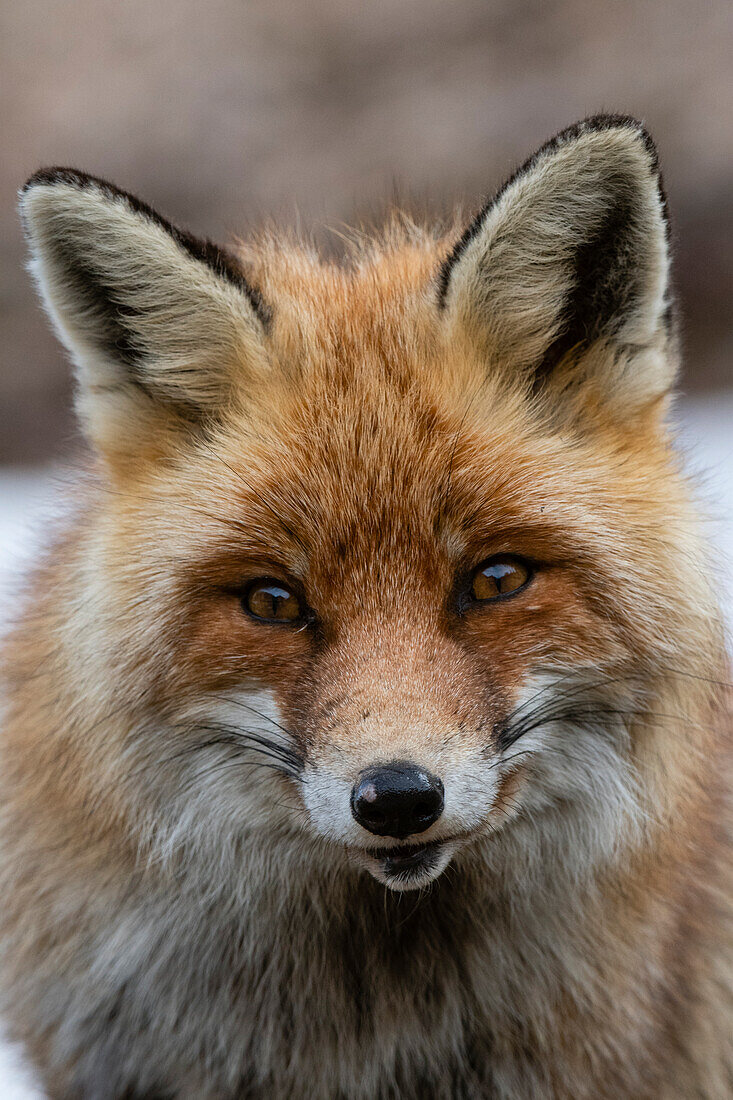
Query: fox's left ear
{"x": 569, "y": 265}
{"x": 161, "y": 325}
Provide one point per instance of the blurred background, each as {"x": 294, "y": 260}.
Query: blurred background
{"x": 228, "y": 112}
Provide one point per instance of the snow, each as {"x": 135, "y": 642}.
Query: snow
{"x": 27, "y": 506}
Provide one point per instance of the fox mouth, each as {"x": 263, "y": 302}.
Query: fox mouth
{"x": 409, "y": 866}
{"x": 411, "y": 857}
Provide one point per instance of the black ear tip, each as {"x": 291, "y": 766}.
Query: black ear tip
{"x": 56, "y": 175}
{"x": 600, "y": 123}
{"x": 606, "y": 121}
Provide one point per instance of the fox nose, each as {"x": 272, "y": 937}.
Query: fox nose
{"x": 397, "y": 800}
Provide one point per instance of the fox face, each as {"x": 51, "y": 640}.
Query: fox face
{"x": 376, "y": 558}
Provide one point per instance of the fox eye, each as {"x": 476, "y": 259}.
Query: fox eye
{"x": 272, "y": 602}
{"x": 499, "y": 577}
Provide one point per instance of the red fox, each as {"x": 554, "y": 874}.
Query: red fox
{"x": 365, "y": 727}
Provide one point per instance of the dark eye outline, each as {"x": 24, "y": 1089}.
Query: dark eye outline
{"x": 304, "y": 617}
{"x": 495, "y": 559}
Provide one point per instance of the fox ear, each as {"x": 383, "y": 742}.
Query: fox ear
{"x": 570, "y": 262}
{"x": 157, "y": 321}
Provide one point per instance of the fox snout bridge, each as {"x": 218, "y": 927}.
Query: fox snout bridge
{"x": 397, "y": 800}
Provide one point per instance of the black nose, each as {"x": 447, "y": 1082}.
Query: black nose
{"x": 397, "y": 800}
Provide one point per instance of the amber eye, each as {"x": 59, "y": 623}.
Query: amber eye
{"x": 273, "y": 602}
{"x": 499, "y": 577}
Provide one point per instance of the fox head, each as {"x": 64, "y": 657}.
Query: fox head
{"x": 392, "y": 557}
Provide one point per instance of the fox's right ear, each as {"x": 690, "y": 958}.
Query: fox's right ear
{"x": 157, "y": 321}
{"x": 564, "y": 274}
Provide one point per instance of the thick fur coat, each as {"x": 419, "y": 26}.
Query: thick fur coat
{"x": 190, "y": 907}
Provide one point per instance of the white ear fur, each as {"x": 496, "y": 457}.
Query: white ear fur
{"x": 155, "y": 319}
{"x": 571, "y": 255}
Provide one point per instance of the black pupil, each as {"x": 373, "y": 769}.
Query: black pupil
{"x": 272, "y": 601}
{"x": 275, "y": 599}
